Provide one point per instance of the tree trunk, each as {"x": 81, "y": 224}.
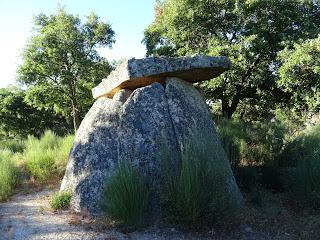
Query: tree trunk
{"x": 75, "y": 115}
{"x": 225, "y": 109}
{"x": 228, "y": 110}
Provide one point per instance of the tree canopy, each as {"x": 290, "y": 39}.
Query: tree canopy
{"x": 61, "y": 62}
{"x": 17, "y": 118}
{"x": 300, "y": 74}
{"x": 250, "y": 33}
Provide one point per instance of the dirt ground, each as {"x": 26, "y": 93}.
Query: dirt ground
{"x": 29, "y": 217}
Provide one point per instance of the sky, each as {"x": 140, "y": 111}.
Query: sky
{"x": 128, "y": 19}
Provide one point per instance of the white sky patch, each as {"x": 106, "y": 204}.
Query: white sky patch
{"x": 16, "y": 27}
{"x": 11, "y": 45}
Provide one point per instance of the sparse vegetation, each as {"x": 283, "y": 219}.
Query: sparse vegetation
{"x": 60, "y": 200}
{"x": 126, "y": 196}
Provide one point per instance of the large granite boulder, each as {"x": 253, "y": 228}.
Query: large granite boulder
{"x": 114, "y": 131}
{"x": 131, "y": 130}
{"x": 139, "y": 108}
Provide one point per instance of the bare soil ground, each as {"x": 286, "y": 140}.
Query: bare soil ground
{"x": 29, "y": 217}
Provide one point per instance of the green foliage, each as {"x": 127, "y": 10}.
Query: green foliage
{"x": 18, "y": 118}
{"x": 307, "y": 153}
{"x": 62, "y": 153}
{"x": 46, "y": 157}
{"x": 126, "y": 196}
{"x": 8, "y": 174}
{"x": 249, "y": 33}
{"x": 232, "y": 135}
{"x": 300, "y": 74}
{"x": 197, "y": 190}
{"x": 252, "y": 143}
{"x": 61, "y": 63}
{"x": 12, "y": 145}
{"x": 60, "y": 200}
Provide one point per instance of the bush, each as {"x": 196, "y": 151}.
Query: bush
{"x": 308, "y": 166}
{"x": 8, "y": 174}
{"x": 46, "y": 157}
{"x": 231, "y": 134}
{"x": 60, "y": 200}
{"x": 197, "y": 190}
{"x": 126, "y": 196}
{"x": 303, "y": 156}
{"x": 12, "y": 145}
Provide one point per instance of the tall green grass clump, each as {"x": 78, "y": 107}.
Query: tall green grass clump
{"x": 197, "y": 190}
{"x": 307, "y": 153}
{"x": 126, "y": 196}
{"x": 46, "y": 157}
{"x": 62, "y": 153}
{"x": 8, "y": 174}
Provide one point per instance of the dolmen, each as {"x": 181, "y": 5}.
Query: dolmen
{"x": 141, "y": 104}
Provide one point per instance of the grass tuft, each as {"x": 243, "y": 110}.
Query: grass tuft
{"x": 8, "y": 174}
{"x": 126, "y": 196}
{"x": 60, "y": 200}
{"x": 47, "y": 157}
{"x": 197, "y": 191}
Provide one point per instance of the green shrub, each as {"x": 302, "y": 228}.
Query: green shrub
{"x": 12, "y": 145}
{"x": 231, "y": 134}
{"x": 46, "y": 157}
{"x": 308, "y": 166}
{"x": 197, "y": 190}
{"x": 60, "y": 200}
{"x": 126, "y": 196}
{"x": 303, "y": 154}
{"x": 8, "y": 174}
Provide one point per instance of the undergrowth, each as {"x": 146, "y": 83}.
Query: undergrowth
{"x": 307, "y": 153}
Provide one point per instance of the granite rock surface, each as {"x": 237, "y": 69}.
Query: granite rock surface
{"x": 135, "y": 73}
{"x": 131, "y": 128}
